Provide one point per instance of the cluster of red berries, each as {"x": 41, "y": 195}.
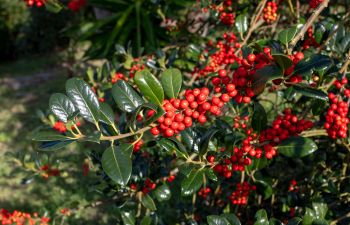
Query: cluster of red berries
{"x": 48, "y": 171}
{"x": 314, "y": 3}
{"x": 65, "y": 212}
{"x": 118, "y": 76}
{"x": 76, "y": 5}
{"x": 310, "y": 39}
{"x": 226, "y": 14}
{"x": 293, "y": 186}
{"x": 60, "y": 127}
{"x": 270, "y": 12}
{"x": 21, "y": 218}
{"x": 203, "y": 192}
{"x": 37, "y": 3}
{"x": 135, "y": 68}
{"x": 240, "y": 195}
{"x": 283, "y": 127}
{"x": 85, "y": 168}
{"x": 337, "y": 120}
{"x": 224, "y": 55}
{"x": 289, "y": 78}
{"x": 148, "y": 186}
{"x": 137, "y": 146}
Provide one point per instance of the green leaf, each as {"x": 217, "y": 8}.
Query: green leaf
{"x": 297, "y": 147}
{"x": 172, "y": 81}
{"x": 320, "y": 30}
{"x": 205, "y": 140}
{"x": 50, "y": 146}
{"x": 294, "y": 221}
{"x": 264, "y": 188}
{"x": 191, "y": 139}
{"x": 242, "y": 23}
{"x": 263, "y": 75}
{"x": 150, "y": 86}
{"x": 211, "y": 175}
{"x": 180, "y": 150}
{"x": 61, "y": 106}
{"x": 148, "y": 202}
{"x": 316, "y": 62}
{"x": 285, "y": 36}
{"x": 117, "y": 165}
{"x": 163, "y": 193}
{"x": 125, "y": 96}
{"x": 127, "y": 148}
{"x": 231, "y": 218}
{"x": 320, "y": 222}
{"x": 283, "y": 61}
{"x": 308, "y": 217}
{"x": 310, "y": 92}
{"x": 259, "y": 118}
{"x": 320, "y": 209}
{"x": 95, "y": 137}
{"x": 217, "y": 220}
{"x": 53, "y": 6}
{"x": 106, "y": 114}
{"x": 128, "y": 218}
{"x": 167, "y": 145}
{"x": 261, "y": 218}
{"x": 274, "y": 221}
{"x": 192, "y": 183}
{"x": 84, "y": 99}
{"x": 50, "y": 136}
{"x": 147, "y": 220}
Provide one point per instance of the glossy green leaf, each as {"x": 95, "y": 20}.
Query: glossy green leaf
{"x": 241, "y": 23}
{"x": 320, "y": 209}
{"x": 180, "y": 150}
{"x": 294, "y": 221}
{"x": 128, "y": 218}
{"x": 148, "y": 202}
{"x": 263, "y": 75}
{"x": 320, "y": 222}
{"x": 50, "y": 146}
{"x": 50, "y": 136}
{"x": 94, "y": 137}
{"x": 84, "y": 99}
{"x": 211, "y": 174}
{"x": 206, "y": 139}
{"x": 274, "y": 221}
{"x": 61, "y": 106}
{"x": 264, "y": 188}
{"x": 217, "y": 220}
{"x": 320, "y": 30}
{"x": 167, "y": 145}
{"x": 147, "y": 220}
{"x": 106, "y": 114}
{"x": 283, "y": 61}
{"x": 126, "y": 97}
{"x": 117, "y": 165}
{"x": 191, "y": 139}
{"x": 310, "y": 92}
{"x": 297, "y": 147}
{"x": 231, "y": 218}
{"x": 150, "y": 86}
{"x": 261, "y": 218}
{"x": 172, "y": 81}
{"x": 192, "y": 183}
{"x": 53, "y": 6}
{"x": 308, "y": 217}
{"x": 259, "y": 118}
{"x": 163, "y": 193}
{"x": 127, "y": 148}
{"x": 285, "y": 36}
{"x": 316, "y": 62}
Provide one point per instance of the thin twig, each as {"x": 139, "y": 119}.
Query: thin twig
{"x": 309, "y": 22}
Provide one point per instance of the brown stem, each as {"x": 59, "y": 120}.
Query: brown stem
{"x": 309, "y": 22}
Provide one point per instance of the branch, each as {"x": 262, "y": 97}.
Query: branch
{"x": 334, "y": 222}
{"x": 121, "y": 136}
{"x": 309, "y": 22}
{"x": 312, "y": 133}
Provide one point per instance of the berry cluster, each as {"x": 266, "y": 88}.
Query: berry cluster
{"x": 293, "y": 186}
{"x": 337, "y": 118}
{"x": 203, "y": 192}
{"x": 48, "y": 171}
{"x": 224, "y": 55}
{"x": 288, "y": 77}
{"x": 37, "y": 3}
{"x": 20, "y": 218}
{"x": 240, "y": 195}
{"x": 118, "y": 76}
{"x": 60, "y": 127}
{"x": 226, "y": 14}
{"x": 135, "y": 68}
{"x": 76, "y": 5}
{"x": 314, "y": 3}
{"x": 270, "y": 12}
{"x": 65, "y": 212}
{"x": 283, "y": 127}
{"x": 310, "y": 39}
{"x": 149, "y": 186}
{"x": 137, "y": 146}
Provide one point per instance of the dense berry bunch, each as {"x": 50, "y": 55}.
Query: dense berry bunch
{"x": 314, "y": 3}
{"x": 270, "y": 12}
{"x": 60, "y": 127}
{"x": 21, "y": 218}
{"x": 47, "y": 171}
{"x": 241, "y": 194}
{"x": 293, "y": 186}
{"x": 37, "y": 3}
{"x": 222, "y": 57}
{"x": 310, "y": 40}
{"x": 226, "y": 14}
{"x": 337, "y": 118}
{"x": 76, "y": 5}
{"x": 203, "y": 192}
{"x": 283, "y": 127}
{"x": 137, "y": 146}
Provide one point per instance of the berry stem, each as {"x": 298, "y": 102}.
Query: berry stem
{"x": 309, "y": 22}
{"x": 312, "y": 133}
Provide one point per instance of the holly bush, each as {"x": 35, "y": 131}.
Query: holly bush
{"x": 239, "y": 116}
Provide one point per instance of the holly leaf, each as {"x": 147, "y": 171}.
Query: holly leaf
{"x": 172, "y": 81}
{"x": 150, "y": 86}
{"x": 297, "y": 147}
{"x": 126, "y": 97}
{"x": 61, "y": 106}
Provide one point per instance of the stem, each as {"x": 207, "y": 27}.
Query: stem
{"x": 309, "y": 22}
{"x": 121, "y": 136}
{"x": 312, "y": 133}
